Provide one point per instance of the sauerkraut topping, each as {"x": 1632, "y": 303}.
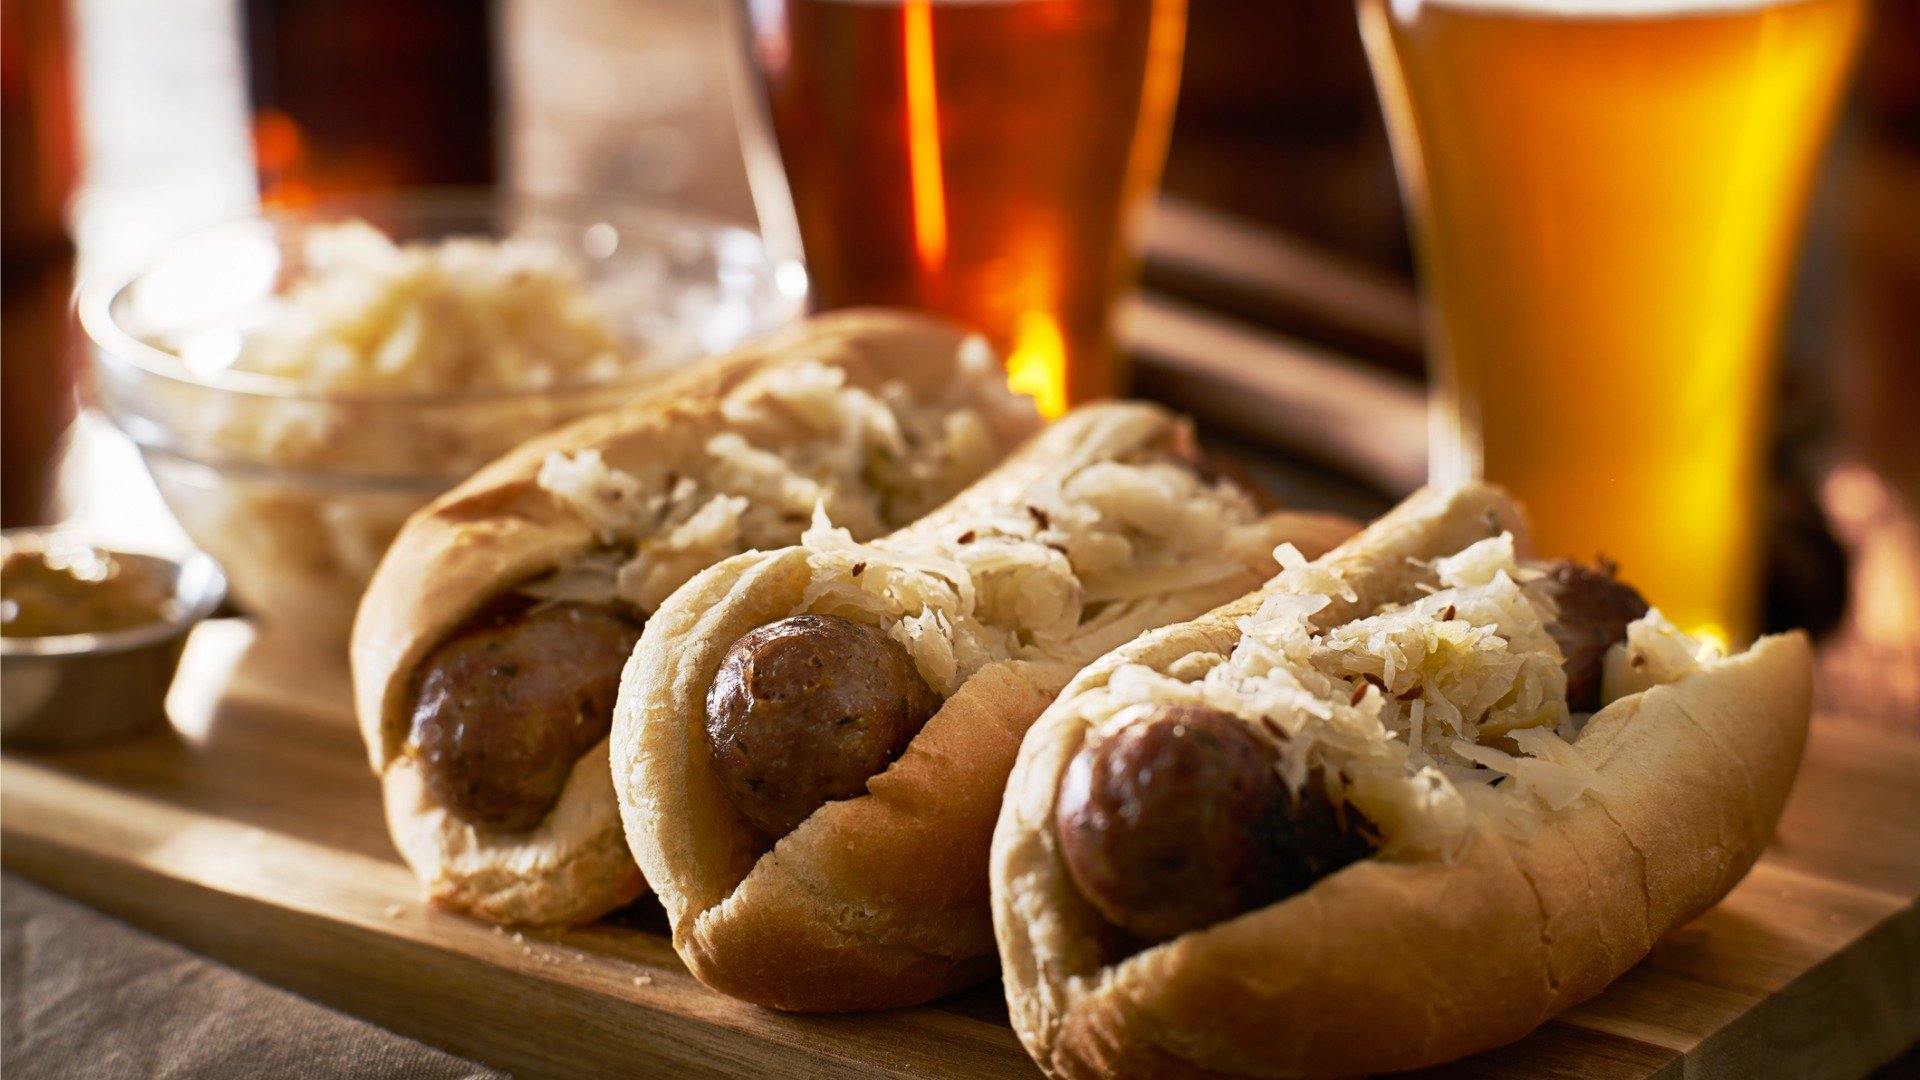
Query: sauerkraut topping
{"x": 799, "y": 438}
{"x": 1655, "y": 652}
{"x": 1057, "y": 575}
{"x": 416, "y": 360}
{"x": 464, "y": 314}
{"x": 377, "y": 375}
{"x": 1413, "y": 714}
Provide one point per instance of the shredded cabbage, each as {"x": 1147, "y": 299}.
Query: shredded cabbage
{"x": 1060, "y": 574}
{"x": 1655, "y": 652}
{"x": 368, "y": 314}
{"x": 1423, "y": 715}
{"x": 799, "y": 438}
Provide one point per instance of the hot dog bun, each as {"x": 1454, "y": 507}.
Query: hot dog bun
{"x": 880, "y": 900}
{"x": 506, "y": 526}
{"x": 1396, "y": 964}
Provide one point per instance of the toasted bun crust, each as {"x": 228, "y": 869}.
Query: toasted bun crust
{"x": 1389, "y": 966}
{"x": 878, "y": 900}
{"x": 572, "y": 869}
{"x": 500, "y": 528}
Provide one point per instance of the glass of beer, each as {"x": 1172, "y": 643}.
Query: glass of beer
{"x": 989, "y": 160}
{"x": 1606, "y": 196}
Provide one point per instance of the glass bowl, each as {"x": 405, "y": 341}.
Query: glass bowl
{"x": 296, "y": 489}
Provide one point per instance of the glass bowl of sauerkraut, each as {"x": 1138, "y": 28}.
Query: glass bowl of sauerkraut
{"x": 298, "y": 384}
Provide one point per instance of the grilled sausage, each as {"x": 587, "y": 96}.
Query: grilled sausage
{"x": 504, "y": 708}
{"x": 1595, "y": 608}
{"x": 1179, "y": 820}
{"x": 805, "y": 710}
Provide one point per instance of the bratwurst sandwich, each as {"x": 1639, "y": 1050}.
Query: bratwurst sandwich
{"x": 1402, "y": 804}
{"x": 488, "y": 649}
{"x": 811, "y": 744}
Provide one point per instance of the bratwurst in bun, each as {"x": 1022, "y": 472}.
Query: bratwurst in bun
{"x": 1402, "y": 804}
{"x": 488, "y": 649}
{"x": 811, "y": 744}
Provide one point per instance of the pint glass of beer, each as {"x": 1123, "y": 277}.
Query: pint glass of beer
{"x": 989, "y": 160}
{"x": 1606, "y": 196}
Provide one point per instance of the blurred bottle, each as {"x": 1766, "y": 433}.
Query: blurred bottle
{"x": 365, "y": 95}
{"x": 1879, "y": 377}
{"x": 623, "y": 100}
{"x": 38, "y": 167}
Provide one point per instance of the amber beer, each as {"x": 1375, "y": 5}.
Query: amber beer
{"x": 357, "y": 96}
{"x": 986, "y": 159}
{"x": 1606, "y": 195}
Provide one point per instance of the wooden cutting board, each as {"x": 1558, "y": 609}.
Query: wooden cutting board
{"x": 253, "y": 834}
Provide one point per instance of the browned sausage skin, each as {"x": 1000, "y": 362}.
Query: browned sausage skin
{"x": 505, "y": 706}
{"x": 805, "y": 710}
{"x": 1179, "y": 820}
{"x": 1594, "y": 610}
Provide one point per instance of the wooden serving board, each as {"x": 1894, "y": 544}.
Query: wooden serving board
{"x": 253, "y": 834}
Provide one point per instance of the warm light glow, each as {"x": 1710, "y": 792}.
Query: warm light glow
{"x": 276, "y": 140}
{"x": 1714, "y": 635}
{"x": 1037, "y": 366}
{"x": 280, "y": 149}
{"x": 213, "y": 654}
{"x": 923, "y": 138}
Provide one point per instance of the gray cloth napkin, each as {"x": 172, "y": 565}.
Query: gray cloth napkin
{"x": 84, "y": 995}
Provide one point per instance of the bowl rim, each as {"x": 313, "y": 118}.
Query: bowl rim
{"x": 113, "y": 345}
{"x": 196, "y": 569}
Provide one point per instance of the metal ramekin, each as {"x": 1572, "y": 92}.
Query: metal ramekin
{"x": 68, "y": 689}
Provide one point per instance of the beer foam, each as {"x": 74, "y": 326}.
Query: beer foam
{"x": 1591, "y": 9}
